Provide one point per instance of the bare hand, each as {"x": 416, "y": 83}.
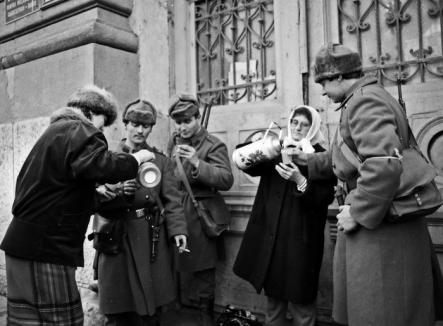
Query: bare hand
{"x": 143, "y": 156}
{"x": 104, "y": 193}
{"x": 346, "y": 222}
{"x": 129, "y": 187}
{"x": 189, "y": 153}
{"x": 181, "y": 243}
{"x": 290, "y": 172}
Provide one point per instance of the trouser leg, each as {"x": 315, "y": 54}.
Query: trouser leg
{"x": 132, "y": 319}
{"x": 275, "y": 312}
{"x": 303, "y": 315}
{"x": 204, "y": 285}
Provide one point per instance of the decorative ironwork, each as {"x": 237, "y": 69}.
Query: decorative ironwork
{"x": 235, "y": 50}
{"x": 406, "y": 40}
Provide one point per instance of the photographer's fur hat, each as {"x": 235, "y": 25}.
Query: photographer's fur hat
{"x": 93, "y": 99}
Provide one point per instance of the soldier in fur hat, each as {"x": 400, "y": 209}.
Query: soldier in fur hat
{"x": 53, "y": 202}
{"x": 145, "y": 282}
{"x": 376, "y": 279}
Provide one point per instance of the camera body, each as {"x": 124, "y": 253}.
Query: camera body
{"x": 237, "y": 317}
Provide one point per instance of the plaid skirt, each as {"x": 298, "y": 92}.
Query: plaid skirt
{"x": 42, "y": 294}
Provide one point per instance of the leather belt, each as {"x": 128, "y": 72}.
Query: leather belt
{"x": 136, "y": 214}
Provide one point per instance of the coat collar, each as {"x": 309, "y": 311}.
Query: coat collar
{"x": 122, "y": 147}
{"x": 367, "y": 80}
{"x": 198, "y": 138}
{"x": 68, "y": 113}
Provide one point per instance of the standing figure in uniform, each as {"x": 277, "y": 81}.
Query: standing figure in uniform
{"x": 376, "y": 276}
{"x": 134, "y": 283}
{"x": 54, "y": 200}
{"x": 206, "y": 164}
{"x": 282, "y": 249}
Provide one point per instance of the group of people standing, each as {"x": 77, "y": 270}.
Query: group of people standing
{"x": 70, "y": 174}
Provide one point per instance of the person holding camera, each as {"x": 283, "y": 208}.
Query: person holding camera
{"x": 207, "y": 169}
{"x": 54, "y": 200}
{"x": 375, "y": 276}
{"x": 137, "y": 280}
{"x": 282, "y": 248}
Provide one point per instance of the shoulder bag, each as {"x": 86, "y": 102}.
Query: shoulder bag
{"x": 417, "y": 194}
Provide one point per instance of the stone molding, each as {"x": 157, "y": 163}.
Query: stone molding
{"x": 53, "y": 14}
{"x": 93, "y": 31}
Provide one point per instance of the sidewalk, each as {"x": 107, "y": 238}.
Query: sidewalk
{"x": 184, "y": 317}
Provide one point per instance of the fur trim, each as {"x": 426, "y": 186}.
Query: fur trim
{"x": 140, "y": 111}
{"x": 91, "y": 98}
{"x": 68, "y": 113}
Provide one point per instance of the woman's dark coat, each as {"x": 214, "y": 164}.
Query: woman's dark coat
{"x": 54, "y": 196}
{"x": 282, "y": 248}
{"x": 213, "y": 174}
{"x": 128, "y": 281}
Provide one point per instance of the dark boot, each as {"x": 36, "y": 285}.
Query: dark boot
{"x": 206, "y": 313}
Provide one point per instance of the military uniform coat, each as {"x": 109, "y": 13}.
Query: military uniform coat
{"x": 282, "y": 248}
{"x": 128, "y": 281}
{"x": 213, "y": 174}
{"x": 382, "y": 272}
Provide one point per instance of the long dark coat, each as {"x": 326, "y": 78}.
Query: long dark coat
{"x": 213, "y": 174}
{"x": 282, "y": 248}
{"x": 129, "y": 281}
{"x": 383, "y": 273}
{"x": 54, "y": 196}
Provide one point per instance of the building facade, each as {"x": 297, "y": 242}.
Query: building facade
{"x": 249, "y": 58}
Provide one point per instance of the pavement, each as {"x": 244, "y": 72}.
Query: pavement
{"x": 182, "y": 317}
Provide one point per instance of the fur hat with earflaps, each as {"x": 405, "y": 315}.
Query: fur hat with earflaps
{"x": 93, "y": 99}
{"x": 140, "y": 111}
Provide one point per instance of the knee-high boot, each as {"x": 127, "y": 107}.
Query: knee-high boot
{"x": 206, "y": 314}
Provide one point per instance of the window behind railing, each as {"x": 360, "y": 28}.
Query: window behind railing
{"x": 398, "y": 40}
{"x": 235, "y": 50}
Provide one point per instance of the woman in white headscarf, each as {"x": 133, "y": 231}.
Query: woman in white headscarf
{"x": 282, "y": 248}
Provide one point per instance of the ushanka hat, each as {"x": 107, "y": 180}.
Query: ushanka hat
{"x": 93, "y": 99}
{"x": 333, "y": 60}
{"x": 140, "y": 111}
{"x": 183, "y": 106}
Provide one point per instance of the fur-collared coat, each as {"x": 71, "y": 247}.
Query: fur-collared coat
{"x": 128, "y": 281}
{"x": 282, "y": 248}
{"x": 213, "y": 174}
{"x": 54, "y": 196}
{"x": 384, "y": 274}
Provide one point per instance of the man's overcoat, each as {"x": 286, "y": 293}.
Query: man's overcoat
{"x": 213, "y": 174}
{"x": 128, "y": 281}
{"x": 282, "y": 248}
{"x": 383, "y": 273}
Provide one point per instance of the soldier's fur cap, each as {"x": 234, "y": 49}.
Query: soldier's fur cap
{"x": 333, "y": 60}
{"x": 140, "y": 111}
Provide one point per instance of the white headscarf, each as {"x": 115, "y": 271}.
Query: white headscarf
{"x": 314, "y": 135}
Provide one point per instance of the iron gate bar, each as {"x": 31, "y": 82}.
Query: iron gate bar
{"x": 213, "y": 18}
{"x": 397, "y": 18}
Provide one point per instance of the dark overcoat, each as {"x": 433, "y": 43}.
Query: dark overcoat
{"x": 383, "y": 273}
{"x": 54, "y": 196}
{"x": 213, "y": 174}
{"x": 282, "y": 248}
{"x": 128, "y": 281}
